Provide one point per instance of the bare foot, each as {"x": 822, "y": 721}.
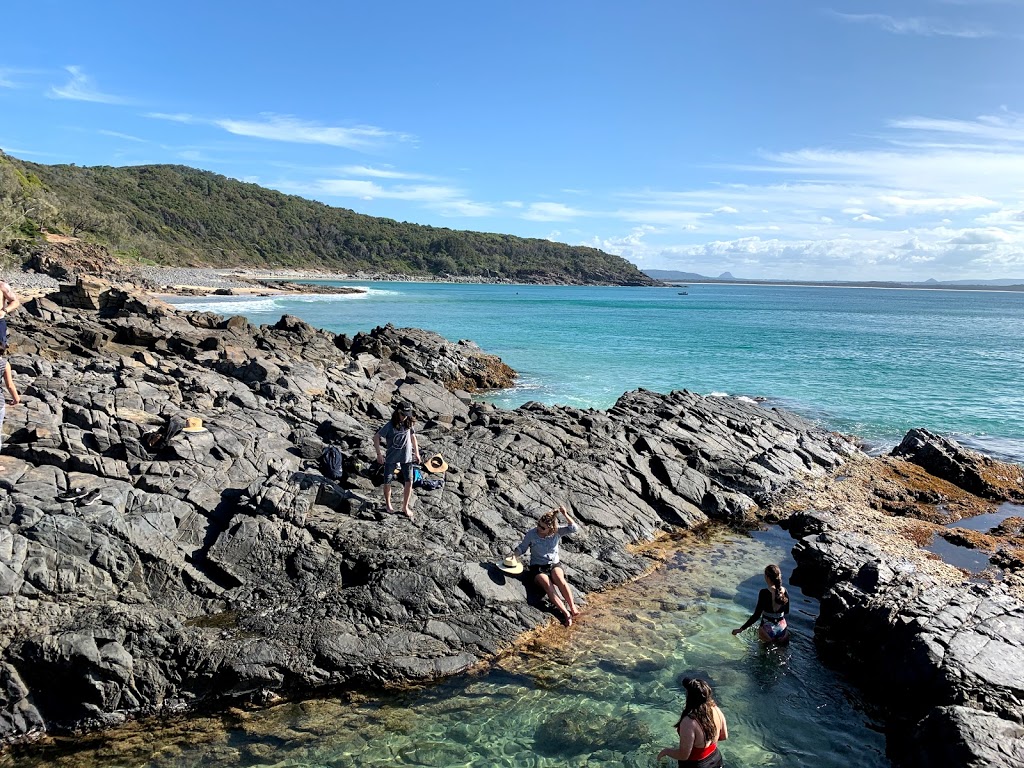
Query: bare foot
{"x": 408, "y": 513}
{"x": 568, "y": 620}
{"x": 575, "y": 611}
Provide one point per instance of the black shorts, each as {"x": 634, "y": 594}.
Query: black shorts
{"x": 404, "y": 472}
{"x": 545, "y": 569}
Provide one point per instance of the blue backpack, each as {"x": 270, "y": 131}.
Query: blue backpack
{"x": 332, "y": 463}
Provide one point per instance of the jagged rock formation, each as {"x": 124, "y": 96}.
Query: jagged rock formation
{"x": 944, "y": 658}
{"x": 223, "y": 565}
{"x": 967, "y": 469}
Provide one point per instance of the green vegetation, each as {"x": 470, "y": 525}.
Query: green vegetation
{"x": 170, "y": 214}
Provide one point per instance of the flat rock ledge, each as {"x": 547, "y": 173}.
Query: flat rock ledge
{"x": 222, "y": 566}
{"x": 944, "y": 660}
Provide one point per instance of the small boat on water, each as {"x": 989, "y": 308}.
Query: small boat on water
{"x": 683, "y": 293}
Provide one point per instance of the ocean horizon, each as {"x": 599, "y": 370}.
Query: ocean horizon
{"x": 870, "y": 362}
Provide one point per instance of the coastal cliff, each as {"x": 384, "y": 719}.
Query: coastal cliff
{"x": 220, "y": 567}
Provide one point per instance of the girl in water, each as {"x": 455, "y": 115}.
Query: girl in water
{"x": 772, "y": 607}
{"x": 700, "y": 727}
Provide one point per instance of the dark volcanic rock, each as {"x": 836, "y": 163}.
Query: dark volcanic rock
{"x": 149, "y": 574}
{"x": 915, "y": 644}
{"x": 964, "y": 468}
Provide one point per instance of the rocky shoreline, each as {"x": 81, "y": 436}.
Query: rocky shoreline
{"x": 222, "y": 567}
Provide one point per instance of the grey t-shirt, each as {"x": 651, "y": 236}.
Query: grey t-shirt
{"x": 397, "y": 443}
{"x": 544, "y": 549}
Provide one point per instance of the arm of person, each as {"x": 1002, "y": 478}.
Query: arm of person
{"x": 11, "y": 300}
{"x": 9, "y": 383}
{"x": 571, "y": 526}
{"x": 723, "y": 731}
{"x": 682, "y": 752}
{"x": 376, "y": 445}
{"x": 415, "y": 448}
{"x": 524, "y": 544}
{"x": 761, "y": 607}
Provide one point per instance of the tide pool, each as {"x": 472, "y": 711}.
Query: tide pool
{"x": 603, "y": 693}
{"x": 873, "y": 363}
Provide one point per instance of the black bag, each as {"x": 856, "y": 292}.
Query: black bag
{"x": 332, "y": 463}
{"x": 376, "y": 474}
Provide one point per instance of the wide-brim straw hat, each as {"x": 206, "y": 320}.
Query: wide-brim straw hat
{"x": 436, "y": 464}
{"x": 194, "y": 425}
{"x": 511, "y": 565}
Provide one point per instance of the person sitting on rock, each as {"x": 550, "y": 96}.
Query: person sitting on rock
{"x": 545, "y": 570}
{"x": 772, "y": 607}
{"x": 8, "y": 303}
{"x": 399, "y": 439}
{"x": 9, "y": 383}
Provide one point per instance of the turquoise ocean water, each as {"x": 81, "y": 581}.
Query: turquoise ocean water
{"x": 869, "y": 362}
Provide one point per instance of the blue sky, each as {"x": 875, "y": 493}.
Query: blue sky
{"x": 843, "y": 140}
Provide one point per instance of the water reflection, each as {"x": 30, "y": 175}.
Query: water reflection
{"x": 604, "y": 693}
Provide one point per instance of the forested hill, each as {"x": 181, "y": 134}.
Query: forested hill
{"x": 172, "y": 214}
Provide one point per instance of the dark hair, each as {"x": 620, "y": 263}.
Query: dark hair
{"x": 403, "y": 415}
{"x": 4, "y": 346}
{"x": 700, "y": 707}
{"x": 774, "y": 575}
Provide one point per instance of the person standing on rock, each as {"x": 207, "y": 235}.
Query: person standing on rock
{"x": 772, "y": 607}
{"x": 547, "y": 573}
{"x": 398, "y": 437}
{"x": 9, "y": 384}
{"x": 8, "y": 303}
{"x": 700, "y": 727}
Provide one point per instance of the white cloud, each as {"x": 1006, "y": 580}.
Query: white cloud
{"x": 383, "y": 173}
{"x": 919, "y": 26}
{"x": 725, "y": 209}
{"x": 176, "y": 117}
{"x": 81, "y": 88}
{"x": 126, "y": 136}
{"x": 867, "y": 217}
{"x": 292, "y": 129}
{"x": 937, "y": 204}
{"x": 448, "y": 201}
{"x": 552, "y": 212}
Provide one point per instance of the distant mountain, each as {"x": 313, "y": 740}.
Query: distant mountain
{"x": 172, "y": 214}
{"x": 726, "y": 276}
{"x": 1000, "y": 281}
{"x": 673, "y": 276}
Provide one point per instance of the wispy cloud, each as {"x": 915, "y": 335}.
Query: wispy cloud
{"x": 446, "y": 200}
{"x": 81, "y": 88}
{"x": 292, "y": 129}
{"x": 175, "y": 117}
{"x": 125, "y": 136}
{"x": 925, "y": 27}
{"x": 383, "y": 173}
{"x": 552, "y": 212}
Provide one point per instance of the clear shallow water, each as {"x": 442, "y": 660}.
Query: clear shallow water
{"x": 604, "y": 693}
{"x": 868, "y": 362}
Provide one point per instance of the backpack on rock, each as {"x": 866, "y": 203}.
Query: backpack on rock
{"x": 331, "y": 463}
